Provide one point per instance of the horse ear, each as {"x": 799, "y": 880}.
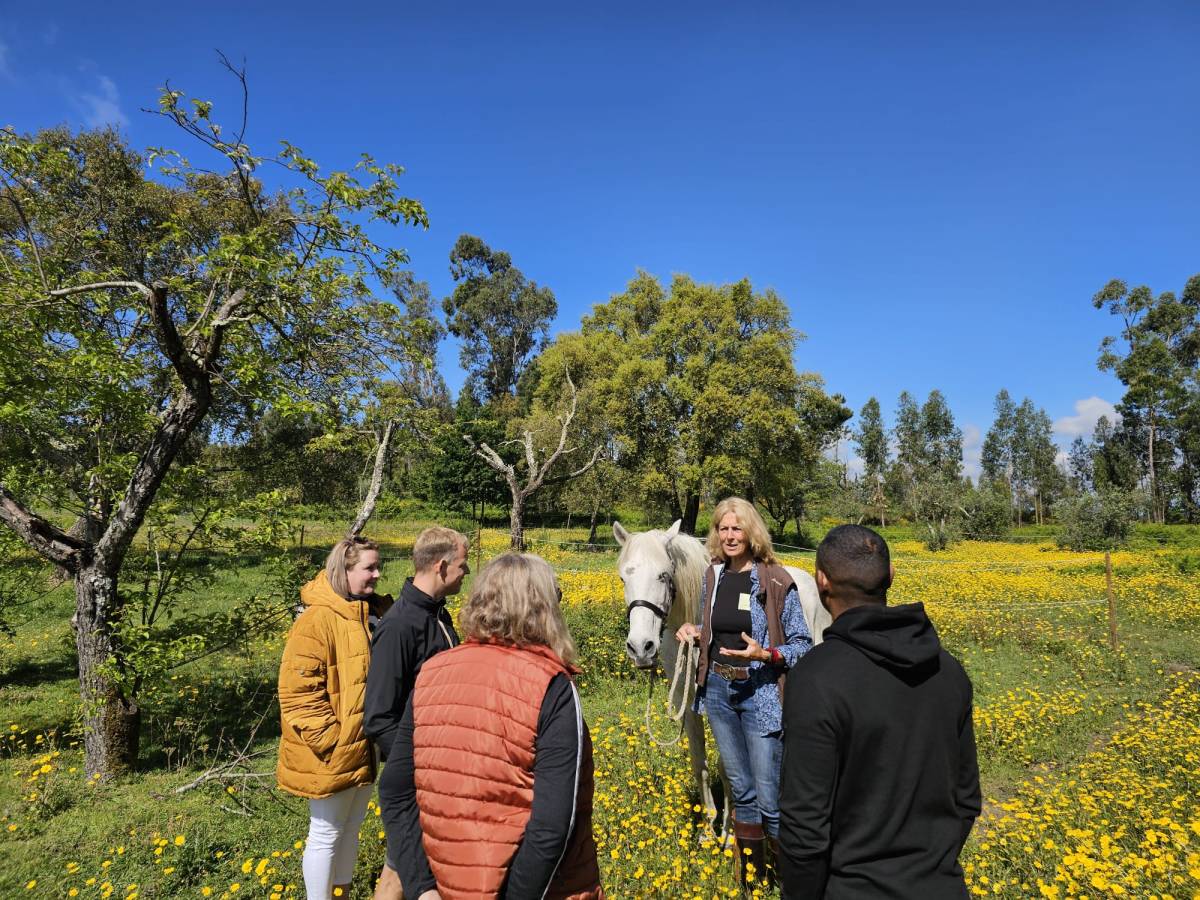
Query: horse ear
{"x": 620, "y": 533}
{"x": 673, "y": 531}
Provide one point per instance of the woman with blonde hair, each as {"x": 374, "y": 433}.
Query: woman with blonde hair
{"x": 751, "y": 631}
{"x": 323, "y": 753}
{"x": 491, "y": 775}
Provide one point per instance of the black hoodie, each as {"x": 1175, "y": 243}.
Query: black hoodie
{"x": 880, "y": 786}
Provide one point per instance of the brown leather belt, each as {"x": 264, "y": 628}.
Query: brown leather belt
{"x": 730, "y": 673}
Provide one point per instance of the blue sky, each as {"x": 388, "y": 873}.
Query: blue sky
{"x": 936, "y": 189}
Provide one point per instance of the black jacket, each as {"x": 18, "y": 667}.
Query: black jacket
{"x": 415, "y": 628}
{"x": 880, "y": 785}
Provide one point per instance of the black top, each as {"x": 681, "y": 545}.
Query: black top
{"x": 415, "y": 628}
{"x": 879, "y": 783}
{"x": 556, "y": 757}
{"x": 731, "y": 616}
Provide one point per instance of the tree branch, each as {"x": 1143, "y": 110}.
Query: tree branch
{"x": 168, "y": 338}
{"x": 37, "y": 254}
{"x": 105, "y": 286}
{"x": 47, "y": 539}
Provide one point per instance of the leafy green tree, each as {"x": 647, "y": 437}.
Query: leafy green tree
{"x": 1081, "y": 466}
{"x": 697, "y": 386}
{"x": 873, "y": 451}
{"x": 928, "y": 466}
{"x": 456, "y": 476}
{"x": 1155, "y": 357}
{"x": 1114, "y": 457}
{"x": 907, "y": 469}
{"x": 1019, "y": 452}
{"x": 501, "y": 317}
{"x": 996, "y": 458}
{"x": 134, "y": 309}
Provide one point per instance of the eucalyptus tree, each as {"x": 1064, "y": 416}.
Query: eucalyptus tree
{"x": 1155, "y": 356}
{"x": 501, "y": 317}
{"x": 871, "y": 438}
{"x": 135, "y": 308}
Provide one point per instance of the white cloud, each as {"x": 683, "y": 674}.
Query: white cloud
{"x": 1087, "y": 413}
{"x": 104, "y": 107}
{"x": 50, "y": 35}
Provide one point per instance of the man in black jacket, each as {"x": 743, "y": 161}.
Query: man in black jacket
{"x": 880, "y": 785}
{"x": 414, "y": 629}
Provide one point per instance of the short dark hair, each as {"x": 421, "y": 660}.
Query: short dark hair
{"x": 856, "y": 559}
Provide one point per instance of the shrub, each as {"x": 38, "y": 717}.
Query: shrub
{"x": 988, "y": 514}
{"x": 1099, "y": 521}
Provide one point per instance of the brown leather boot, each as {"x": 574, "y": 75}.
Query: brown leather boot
{"x": 751, "y": 851}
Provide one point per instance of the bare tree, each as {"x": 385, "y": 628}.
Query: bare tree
{"x": 535, "y": 475}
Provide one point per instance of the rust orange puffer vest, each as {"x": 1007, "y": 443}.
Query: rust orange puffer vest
{"x": 475, "y": 715}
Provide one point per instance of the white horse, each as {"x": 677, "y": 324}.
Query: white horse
{"x": 662, "y": 571}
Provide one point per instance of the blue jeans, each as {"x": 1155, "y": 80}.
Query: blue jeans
{"x": 751, "y": 759}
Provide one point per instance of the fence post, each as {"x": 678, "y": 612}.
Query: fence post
{"x": 301, "y": 535}
{"x": 1112, "y": 607}
{"x": 479, "y": 546}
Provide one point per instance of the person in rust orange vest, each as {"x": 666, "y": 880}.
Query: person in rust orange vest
{"x": 492, "y": 772}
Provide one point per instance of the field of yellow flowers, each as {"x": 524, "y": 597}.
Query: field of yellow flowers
{"x": 1090, "y": 756}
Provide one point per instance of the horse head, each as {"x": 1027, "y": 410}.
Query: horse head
{"x": 647, "y": 569}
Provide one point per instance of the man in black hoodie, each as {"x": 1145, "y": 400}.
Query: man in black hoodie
{"x": 880, "y": 785}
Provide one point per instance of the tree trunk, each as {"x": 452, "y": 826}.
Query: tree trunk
{"x": 592, "y": 529}
{"x": 368, "y": 504}
{"x": 112, "y": 723}
{"x": 690, "y": 514}
{"x": 1158, "y": 520}
{"x": 676, "y": 509}
{"x": 516, "y": 524}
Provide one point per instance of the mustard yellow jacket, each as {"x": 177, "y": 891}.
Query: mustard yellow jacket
{"x": 322, "y": 680}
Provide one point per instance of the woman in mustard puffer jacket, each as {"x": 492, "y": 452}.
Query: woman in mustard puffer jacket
{"x": 323, "y": 753}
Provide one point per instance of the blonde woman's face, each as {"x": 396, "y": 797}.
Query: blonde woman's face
{"x": 362, "y": 576}
{"x": 733, "y": 540}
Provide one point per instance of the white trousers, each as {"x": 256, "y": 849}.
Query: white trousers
{"x": 332, "y": 847}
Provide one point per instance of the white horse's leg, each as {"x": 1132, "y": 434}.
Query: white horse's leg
{"x": 693, "y": 725}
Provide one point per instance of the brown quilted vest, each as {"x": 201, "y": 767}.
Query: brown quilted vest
{"x": 475, "y": 715}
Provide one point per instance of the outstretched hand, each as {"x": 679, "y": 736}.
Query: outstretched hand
{"x": 754, "y": 650}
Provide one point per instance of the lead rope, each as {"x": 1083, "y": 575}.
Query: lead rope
{"x": 685, "y": 661}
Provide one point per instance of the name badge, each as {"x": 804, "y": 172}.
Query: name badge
{"x": 743, "y": 603}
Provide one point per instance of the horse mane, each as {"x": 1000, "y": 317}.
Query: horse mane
{"x": 691, "y": 559}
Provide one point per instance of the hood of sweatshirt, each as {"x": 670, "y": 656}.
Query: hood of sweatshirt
{"x": 896, "y": 637}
